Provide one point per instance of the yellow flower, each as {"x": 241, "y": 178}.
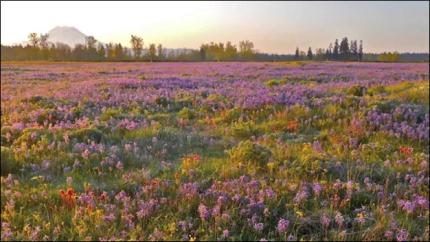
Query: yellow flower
{"x": 192, "y": 238}
{"x": 271, "y": 165}
{"x": 190, "y": 162}
{"x": 299, "y": 213}
{"x": 172, "y": 227}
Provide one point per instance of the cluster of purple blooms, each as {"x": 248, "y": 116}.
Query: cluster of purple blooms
{"x": 402, "y": 122}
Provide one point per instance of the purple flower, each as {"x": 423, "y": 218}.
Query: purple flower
{"x": 225, "y": 234}
{"x": 86, "y": 154}
{"x": 325, "y": 221}
{"x": 316, "y": 146}
{"x": 119, "y": 165}
{"x": 225, "y": 216}
{"x": 301, "y": 196}
{"x": 282, "y": 225}
{"x": 339, "y": 219}
{"x": 146, "y": 208}
{"x": 291, "y": 238}
{"x": 258, "y": 227}
{"x": 189, "y": 190}
{"x": 389, "y": 234}
{"x": 402, "y": 235}
{"x": 317, "y": 188}
{"x": 204, "y": 213}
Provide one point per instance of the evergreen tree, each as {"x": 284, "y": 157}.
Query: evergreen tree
{"x": 354, "y": 50}
{"x": 203, "y": 53}
{"x": 329, "y": 51}
{"x": 101, "y": 52}
{"x": 160, "y": 51}
{"x": 336, "y": 50}
{"x": 310, "y": 55}
{"x": 344, "y": 49}
{"x": 297, "y": 55}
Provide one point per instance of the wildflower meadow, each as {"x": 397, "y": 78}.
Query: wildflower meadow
{"x": 215, "y": 151}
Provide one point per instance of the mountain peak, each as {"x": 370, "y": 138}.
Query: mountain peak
{"x": 66, "y": 34}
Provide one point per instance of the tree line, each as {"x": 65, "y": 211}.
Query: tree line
{"x": 345, "y": 51}
{"x": 40, "y": 49}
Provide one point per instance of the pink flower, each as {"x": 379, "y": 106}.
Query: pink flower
{"x": 119, "y": 165}
{"x": 317, "y": 188}
{"x": 282, "y": 225}
{"x": 203, "y": 212}
{"x": 402, "y": 235}
{"x": 86, "y": 154}
{"x": 339, "y": 219}
{"x": 259, "y": 227}
{"x": 389, "y": 234}
{"x": 325, "y": 221}
{"x": 225, "y": 234}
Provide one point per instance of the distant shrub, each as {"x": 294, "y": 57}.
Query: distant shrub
{"x": 358, "y": 91}
{"x": 376, "y": 90}
{"x": 162, "y": 101}
{"x": 34, "y": 99}
{"x": 82, "y": 135}
{"x": 386, "y": 106}
{"x": 185, "y": 102}
{"x": 8, "y": 134}
{"x": 272, "y": 83}
{"x": 186, "y": 113}
{"x": 243, "y": 130}
{"x": 250, "y": 154}
{"x": 230, "y": 116}
{"x": 77, "y": 112}
{"x": 31, "y": 136}
{"x": 40, "y": 101}
{"x": 8, "y": 163}
{"x": 111, "y": 113}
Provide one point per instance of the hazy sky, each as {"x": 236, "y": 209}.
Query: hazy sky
{"x": 274, "y": 27}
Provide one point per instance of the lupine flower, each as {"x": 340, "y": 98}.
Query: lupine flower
{"x": 258, "y": 227}
{"x": 86, "y": 154}
{"x": 301, "y": 196}
{"x": 317, "y": 147}
{"x": 339, "y": 219}
{"x": 119, "y": 165}
{"x": 402, "y": 235}
{"x": 225, "y": 234}
{"x": 291, "y": 238}
{"x": 325, "y": 221}
{"x": 203, "y": 212}
{"x": 282, "y": 225}
{"x": 389, "y": 235}
{"x": 317, "y": 189}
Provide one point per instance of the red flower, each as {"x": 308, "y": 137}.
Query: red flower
{"x": 69, "y": 197}
{"x": 293, "y": 126}
{"x": 406, "y": 150}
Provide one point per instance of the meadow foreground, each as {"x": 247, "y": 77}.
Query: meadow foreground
{"x": 214, "y": 151}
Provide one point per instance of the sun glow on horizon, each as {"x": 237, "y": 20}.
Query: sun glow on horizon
{"x": 274, "y": 27}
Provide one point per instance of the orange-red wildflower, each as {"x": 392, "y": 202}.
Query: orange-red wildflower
{"x": 406, "y": 150}
{"x": 68, "y": 197}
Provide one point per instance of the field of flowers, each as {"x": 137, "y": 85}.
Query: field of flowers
{"x": 214, "y": 151}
